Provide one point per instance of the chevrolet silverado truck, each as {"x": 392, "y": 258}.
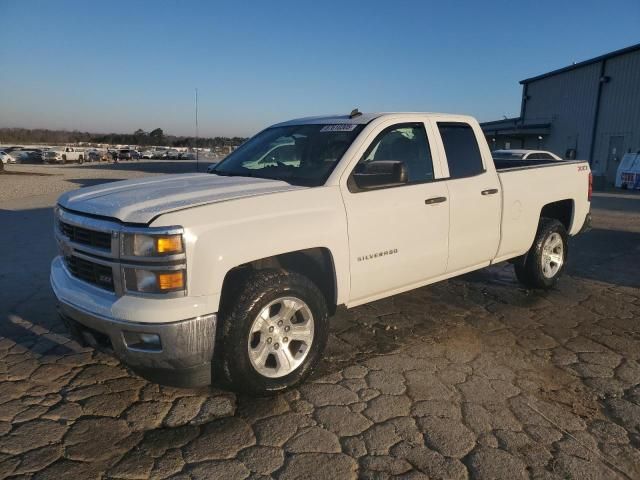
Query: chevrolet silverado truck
{"x": 234, "y": 274}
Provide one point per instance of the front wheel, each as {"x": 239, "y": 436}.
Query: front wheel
{"x": 546, "y": 260}
{"x": 274, "y": 333}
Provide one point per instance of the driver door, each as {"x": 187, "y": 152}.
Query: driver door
{"x": 398, "y": 235}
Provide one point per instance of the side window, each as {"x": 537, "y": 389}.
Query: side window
{"x": 461, "y": 148}
{"x": 545, "y": 156}
{"x": 406, "y": 143}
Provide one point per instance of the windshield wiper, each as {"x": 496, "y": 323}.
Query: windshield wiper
{"x": 232, "y": 174}
{"x": 252, "y": 175}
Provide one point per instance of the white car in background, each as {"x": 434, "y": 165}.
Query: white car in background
{"x": 148, "y": 154}
{"x": 521, "y": 154}
{"x": 6, "y": 158}
{"x": 68, "y": 154}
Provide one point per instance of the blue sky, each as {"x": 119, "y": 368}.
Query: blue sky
{"x": 122, "y": 65}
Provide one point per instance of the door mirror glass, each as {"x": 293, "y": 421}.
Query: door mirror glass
{"x": 381, "y": 173}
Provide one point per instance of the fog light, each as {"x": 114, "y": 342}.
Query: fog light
{"x": 143, "y": 341}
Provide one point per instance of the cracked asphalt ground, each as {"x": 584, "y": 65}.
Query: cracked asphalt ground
{"x": 469, "y": 378}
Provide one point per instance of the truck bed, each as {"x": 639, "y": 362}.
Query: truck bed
{"x": 527, "y": 188}
{"x": 503, "y": 164}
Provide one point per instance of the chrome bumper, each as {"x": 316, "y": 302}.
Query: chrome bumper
{"x": 182, "y": 358}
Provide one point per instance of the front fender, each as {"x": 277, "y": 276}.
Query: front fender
{"x": 224, "y": 235}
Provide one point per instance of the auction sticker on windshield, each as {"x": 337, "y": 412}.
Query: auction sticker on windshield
{"x": 343, "y": 127}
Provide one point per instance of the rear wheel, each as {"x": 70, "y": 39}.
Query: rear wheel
{"x": 274, "y": 333}
{"x": 545, "y": 261}
{"x": 80, "y": 159}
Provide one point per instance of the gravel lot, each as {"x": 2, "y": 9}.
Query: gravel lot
{"x": 469, "y": 378}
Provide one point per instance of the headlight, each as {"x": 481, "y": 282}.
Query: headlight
{"x": 148, "y": 245}
{"x": 154, "y": 281}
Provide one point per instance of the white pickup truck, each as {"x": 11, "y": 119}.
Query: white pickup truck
{"x": 238, "y": 271}
{"x": 67, "y": 154}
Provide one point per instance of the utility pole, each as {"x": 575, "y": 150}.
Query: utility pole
{"x": 197, "y": 153}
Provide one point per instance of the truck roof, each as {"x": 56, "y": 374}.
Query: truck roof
{"x": 361, "y": 119}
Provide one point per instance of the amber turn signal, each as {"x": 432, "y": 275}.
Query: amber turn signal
{"x": 169, "y": 244}
{"x": 171, "y": 280}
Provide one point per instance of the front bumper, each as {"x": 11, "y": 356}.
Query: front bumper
{"x": 97, "y": 318}
{"x": 183, "y": 358}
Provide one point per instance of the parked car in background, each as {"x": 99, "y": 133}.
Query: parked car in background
{"x": 241, "y": 268}
{"x": 49, "y": 156}
{"x": 187, "y": 156}
{"x": 171, "y": 155}
{"x": 96, "y": 155}
{"x": 6, "y": 158}
{"x": 69, "y": 154}
{"x": 18, "y": 156}
{"x": 521, "y": 154}
{"x": 27, "y": 155}
{"x": 125, "y": 154}
{"x": 148, "y": 154}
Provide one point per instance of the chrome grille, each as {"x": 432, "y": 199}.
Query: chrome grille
{"x": 92, "y": 251}
{"x": 91, "y": 272}
{"x": 85, "y": 236}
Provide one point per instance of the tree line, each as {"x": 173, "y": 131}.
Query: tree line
{"x": 139, "y": 137}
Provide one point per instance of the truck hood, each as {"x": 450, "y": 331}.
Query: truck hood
{"x": 141, "y": 200}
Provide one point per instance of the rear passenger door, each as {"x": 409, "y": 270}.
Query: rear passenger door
{"x": 475, "y": 199}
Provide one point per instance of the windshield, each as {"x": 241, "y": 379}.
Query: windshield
{"x": 507, "y": 155}
{"x": 297, "y": 154}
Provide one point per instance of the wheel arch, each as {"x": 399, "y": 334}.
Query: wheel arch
{"x": 316, "y": 263}
{"x": 561, "y": 210}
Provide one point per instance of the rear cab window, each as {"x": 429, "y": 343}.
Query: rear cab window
{"x": 461, "y": 148}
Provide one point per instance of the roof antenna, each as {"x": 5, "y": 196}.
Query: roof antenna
{"x": 355, "y": 113}
{"x": 197, "y": 156}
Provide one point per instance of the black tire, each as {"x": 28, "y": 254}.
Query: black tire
{"x": 529, "y": 269}
{"x": 256, "y": 292}
{"x": 64, "y": 159}
{"x": 80, "y": 159}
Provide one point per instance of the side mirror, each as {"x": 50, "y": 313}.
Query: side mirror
{"x": 380, "y": 173}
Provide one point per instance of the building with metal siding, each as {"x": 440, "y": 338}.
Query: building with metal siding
{"x": 589, "y": 110}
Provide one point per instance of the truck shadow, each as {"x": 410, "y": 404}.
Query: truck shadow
{"x": 606, "y": 256}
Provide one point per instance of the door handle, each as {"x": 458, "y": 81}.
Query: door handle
{"x": 490, "y": 191}
{"x": 431, "y": 201}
